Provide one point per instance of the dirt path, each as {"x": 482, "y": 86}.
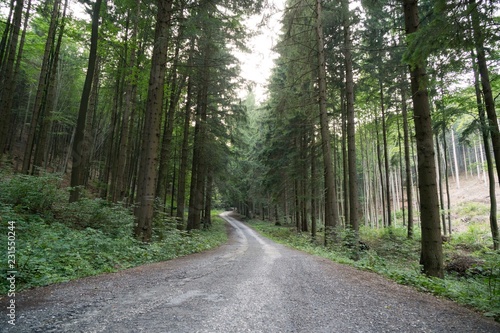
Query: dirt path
{"x": 250, "y": 284}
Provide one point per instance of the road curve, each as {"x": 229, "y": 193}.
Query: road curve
{"x": 250, "y": 284}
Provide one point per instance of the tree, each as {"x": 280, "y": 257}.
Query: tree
{"x": 81, "y": 144}
{"x": 151, "y": 139}
{"x": 331, "y": 209}
{"x": 351, "y": 130}
{"x": 8, "y": 72}
{"x": 431, "y": 256}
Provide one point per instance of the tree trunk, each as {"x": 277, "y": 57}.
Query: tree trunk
{"x": 176, "y": 86}
{"x": 128, "y": 107}
{"x": 45, "y": 128}
{"x": 455, "y": 158}
{"x": 41, "y": 96}
{"x": 313, "y": 187}
{"x": 80, "y": 147}
{"x": 381, "y": 174}
{"x": 401, "y": 175}
{"x": 331, "y": 209}
{"x": 5, "y": 36}
{"x": 345, "y": 159}
{"x": 431, "y": 250}
{"x": 440, "y": 183}
{"x": 386, "y": 157}
{"x": 181, "y": 188}
{"x": 8, "y": 79}
{"x": 150, "y": 142}
{"x": 198, "y": 170}
{"x": 482, "y": 66}
{"x": 446, "y": 176}
{"x": 207, "y": 220}
{"x": 351, "y": 126}
{"x": 489, "y": 161}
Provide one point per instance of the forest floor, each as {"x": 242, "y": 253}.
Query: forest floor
{"x": 471, "y": 189}
{"x": 469, "y": 202}
{"x": 250, "y": 284}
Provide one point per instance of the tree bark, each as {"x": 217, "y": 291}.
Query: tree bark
{"x": 80, "y": 147}
{"x": 45, "y": 128}
{"x": 431, "y": 255}
{"x": 181, "y": 188}
{"x": 8, "y": 75}
{"x": 128, "y": 107}
{"x": 489, "y": 161}
{"x": 176, "y": 86}
{"x": 313, "y": 187}
{"x": 386, "y": 157}
{"x": 331, "y": 209}
{"x": 489, "y": 101}
{"x": 351, "y": 126}
{"x": 150, "y": 142}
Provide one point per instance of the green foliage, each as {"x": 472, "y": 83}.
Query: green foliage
{"x": 31, "y": 194}
{"x": 111, "y": 219}
{"x": 57, "y": 241}
{"x": 473, "y": 208}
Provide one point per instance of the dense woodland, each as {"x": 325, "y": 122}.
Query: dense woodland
{"x": 375, "y": 109}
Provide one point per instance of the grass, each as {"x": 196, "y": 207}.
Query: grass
{"x": 56, "y": 241}
{"x": 394, "y": 256}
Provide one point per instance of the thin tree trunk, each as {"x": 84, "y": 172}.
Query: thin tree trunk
{"x": 446, "y": 177}
{"x": 207, "y": 221}
{"x": 50, "y": 103}
{"x": 313, "y": 187}
{"x": 43, "y": 82}
{"x": 351, "y": 126}
{"x": 381, "y": 174}
{"x": 181, "y": 188}
{"x": 491, "y": 175}
{"x": 455, "y": 158}
{"x": 128, "y": 107}
{"x": 440, "y": 183}
{"x": 176, "y": 86}
{"x": 401, "y": 175}
{"x": 482, "y": 66}
{"x": 345, "y": 161}
{"x": 386, "y": 157}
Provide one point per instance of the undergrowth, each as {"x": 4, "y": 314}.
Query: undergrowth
{"x": 388, "y": 252}
{"x": 57, "y": 241}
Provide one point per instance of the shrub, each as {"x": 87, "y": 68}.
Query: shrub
{"x": 112, "y": 219}
{"x": 32, "y": 194}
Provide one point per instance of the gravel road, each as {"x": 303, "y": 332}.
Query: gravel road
{"x": 250, "y": 284}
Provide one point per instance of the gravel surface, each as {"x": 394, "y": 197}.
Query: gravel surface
{"x": 251, "y": 284}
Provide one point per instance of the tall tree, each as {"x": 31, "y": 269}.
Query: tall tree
{"x": 351, "y": 126}
{"x": 148, "y": 171}
{"x": 331, "y": 209}
{"x": 81, "y": 145}
{"x": 431, "y": 255}
{"x": 8, "y": 71}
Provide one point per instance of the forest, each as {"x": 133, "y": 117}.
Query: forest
{"x": 124, "y": 119}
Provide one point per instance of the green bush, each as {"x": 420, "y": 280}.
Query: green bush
{"x": 32, "y": 194}
{"x": 112, "y": 219}
{"x": 57, "y": 241}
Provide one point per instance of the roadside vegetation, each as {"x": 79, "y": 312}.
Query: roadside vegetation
{"x": 472, "y": 268}
{"x": 57, "y": 241}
